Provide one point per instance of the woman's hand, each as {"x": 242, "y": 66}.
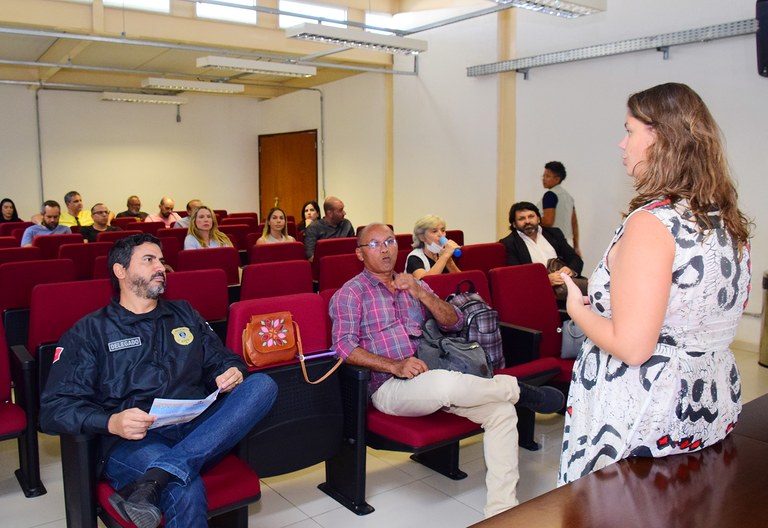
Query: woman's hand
{"x": 448, "y": 249}
{"x": 576, "y": 301}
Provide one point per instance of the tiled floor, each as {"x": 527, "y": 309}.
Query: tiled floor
{"x": 405, "y": 494}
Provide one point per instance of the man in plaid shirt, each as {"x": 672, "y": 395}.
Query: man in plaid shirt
{"x": 377, "y": 318}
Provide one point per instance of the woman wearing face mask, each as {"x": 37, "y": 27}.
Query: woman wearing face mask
{"x": 430, "y": 256}
{"x": 276, "y": 228}
{"x": 309, "y": 213}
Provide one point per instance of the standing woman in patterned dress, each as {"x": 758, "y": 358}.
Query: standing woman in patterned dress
{"x": 655, "y": 375}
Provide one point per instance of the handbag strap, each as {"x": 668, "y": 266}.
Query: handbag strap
{"x": 471, "y": 288}
{"x": 301, "y": 360}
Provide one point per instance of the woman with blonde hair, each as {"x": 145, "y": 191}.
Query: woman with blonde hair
{"x": 204, "y": 231}
{"x": 655, "y": 375}
{"x": 432, "y": 252}
{"x": 275, "y": 228}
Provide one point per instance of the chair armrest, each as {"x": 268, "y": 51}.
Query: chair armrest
{"x": 24, "y": 374}
{"x": 354, "y": 398}
{"x": 520, "y": 344}
{"x": 78, "y": 464}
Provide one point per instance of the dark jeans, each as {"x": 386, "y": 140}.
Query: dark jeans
{"x": 185, "y": 450}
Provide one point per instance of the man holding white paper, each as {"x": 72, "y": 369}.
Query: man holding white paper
{"x": 111, "y": 366}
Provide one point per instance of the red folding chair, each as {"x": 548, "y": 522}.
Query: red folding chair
{"x": 7, "y": 228}
{"x": 276, "y": 252}
{"x": 225, "y": 258}
{"x": 17, "y": 254}
{"x": 335, "y": 270}
{"x": 111, "y": 236}
{"x": 17, "y": 279}
{"x": 18, "y": 415}
{"x": 238, "y": 233}
{"x": 83, "y": 256}
{"x": 483, "y": 257}
{"x": 123, "y": 222}
{"x": 8, "y": 242}
{"x": 252, "y": 223}
{"x": 207, "y": 292}
{"x": 271, "y": 279}
{"x": 146, "y": 227}
{"x": 179, "y": 233}
{"x": 331, "y": 246}
{"x": 49, "y": 244}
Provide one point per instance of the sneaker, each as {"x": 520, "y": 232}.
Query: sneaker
{"x": 138, "y": 503}
{"x": 543, "y": 400}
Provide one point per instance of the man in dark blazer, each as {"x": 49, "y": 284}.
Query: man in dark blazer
{"x": 529, "y": 243}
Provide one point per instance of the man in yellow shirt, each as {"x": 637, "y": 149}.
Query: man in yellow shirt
{"x": 75, "y": 215}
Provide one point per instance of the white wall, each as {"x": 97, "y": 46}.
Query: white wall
{"x": 575, "y": 112}
{"x": 19, "y": 174}
{"x": 445, "y": 133}
{"x": 107, "y": 150}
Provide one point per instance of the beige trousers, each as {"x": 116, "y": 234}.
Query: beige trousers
{"x": 487, "y": 402}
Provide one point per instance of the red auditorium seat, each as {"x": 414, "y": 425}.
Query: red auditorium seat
{"x": 146, "y": 227}
{"x": 7, "y": 228}
{"x": 276, "y": 252}
{"x": 335, "y": 270}
{"x": 483, "y": 257}
{"x": 271, "y": 279}
{"x": 111, "y": 236}
{"x": 17, "y": 254}
{"x": 17, "y": 280}
{"x": 523, "y": 297}
{"x": 331, "y": 246}
{"x": 225, "y": 258}
{"x": 84, "y": 255}
{"x": 49, "y": 244}
{"x": 18, "y": 415}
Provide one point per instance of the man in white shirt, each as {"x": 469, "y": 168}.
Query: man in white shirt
{"x": 529, "y": 243}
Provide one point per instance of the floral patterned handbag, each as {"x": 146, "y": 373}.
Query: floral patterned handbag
{"x": 270, "y": 338}
{"x": 275, "y": 338}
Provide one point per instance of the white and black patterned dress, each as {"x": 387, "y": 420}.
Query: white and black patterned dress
{"x": 688, "y": 394}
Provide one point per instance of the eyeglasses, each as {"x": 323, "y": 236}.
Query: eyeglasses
{"x": 376, "y": 244}
{"x": 101, "y": 212}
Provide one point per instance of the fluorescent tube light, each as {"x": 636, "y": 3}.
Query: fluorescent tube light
{"x": 142, "y": 98}
{"x": 256, "y": 66}
{"x": 558, "y": 7}
{"x": 356, "y": 38}
{"x": 191, "y": 86}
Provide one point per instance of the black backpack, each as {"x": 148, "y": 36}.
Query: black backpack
{"x": 481, "y": 322}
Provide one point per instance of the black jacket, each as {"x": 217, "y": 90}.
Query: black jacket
{"x": 114, "y": 359}
{"x": 517, "y": 251}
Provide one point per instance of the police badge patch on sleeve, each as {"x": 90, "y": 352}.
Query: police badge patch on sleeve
{"x": 182, "y": 335}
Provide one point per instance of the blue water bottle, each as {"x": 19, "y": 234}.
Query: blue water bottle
{"x": 456, "y": 252}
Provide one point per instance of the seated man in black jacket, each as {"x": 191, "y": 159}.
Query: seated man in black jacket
{"x": 113, "y": 363}
{"x": 530, "y": 243}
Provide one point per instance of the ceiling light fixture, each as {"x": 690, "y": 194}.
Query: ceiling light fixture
{"x": 558, "y": 7}
{"x": 142, "y": 98}
{"x": 191, "y": 86}
{"x": 356, "y": 38}
{"x": 256, "y": 66}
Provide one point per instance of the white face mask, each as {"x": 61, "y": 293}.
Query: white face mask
{"x": 433, "y": 247}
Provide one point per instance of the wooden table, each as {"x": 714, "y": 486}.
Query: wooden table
{"x": 722, "y": 486}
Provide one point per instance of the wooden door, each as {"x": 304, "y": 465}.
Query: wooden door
{"x": 287, "y": 171}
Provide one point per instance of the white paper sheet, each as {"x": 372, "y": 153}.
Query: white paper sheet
{"x": 170, "y": 411}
